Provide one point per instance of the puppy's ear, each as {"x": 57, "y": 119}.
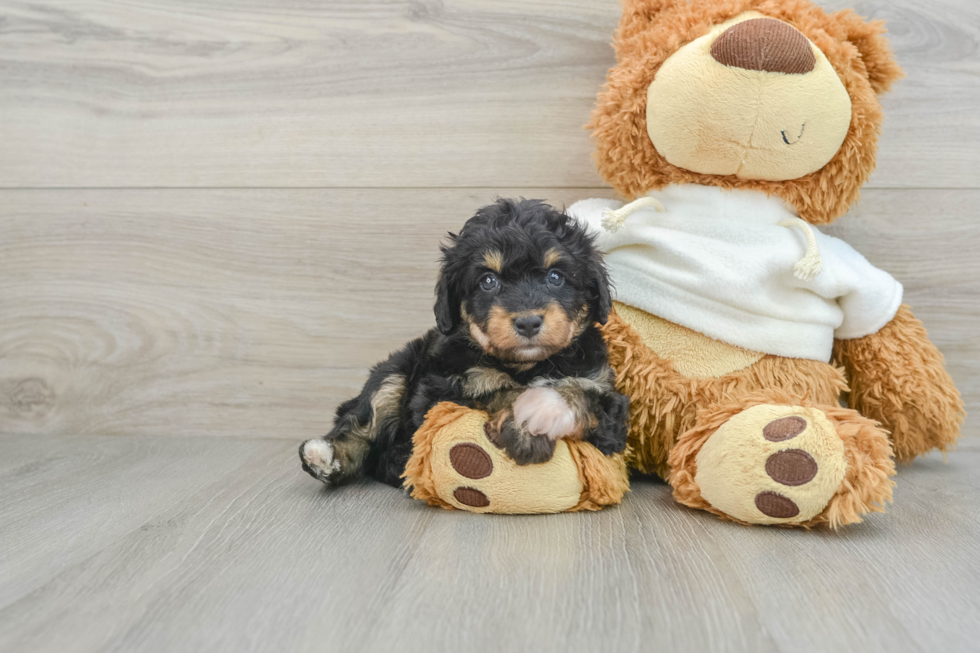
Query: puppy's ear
{"x": 447, "y": 304}
{"x": 599, "y": 286}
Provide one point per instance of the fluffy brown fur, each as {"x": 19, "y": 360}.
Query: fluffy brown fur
{"x": 866, "y": 487}
{"x": 652, "y": 30}
{"x": 604, "y": 477}
{"x": 898, "y": 377}
{"x": 664, "y": 403}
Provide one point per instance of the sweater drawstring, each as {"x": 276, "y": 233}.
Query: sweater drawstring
{"x": 613, "y": 220}
{"x": 811, "y": 264}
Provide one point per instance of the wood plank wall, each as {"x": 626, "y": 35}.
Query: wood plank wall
{"x": 216, "y": 215}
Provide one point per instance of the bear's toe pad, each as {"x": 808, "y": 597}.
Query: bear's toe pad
{"x": 772, "y": 464}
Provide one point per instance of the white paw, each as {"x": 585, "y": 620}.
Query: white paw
{"x": 318, "y": 455}
{"x": 542, "y": 411}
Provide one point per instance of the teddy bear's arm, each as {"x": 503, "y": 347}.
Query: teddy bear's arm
{"x": 898, "y": 377}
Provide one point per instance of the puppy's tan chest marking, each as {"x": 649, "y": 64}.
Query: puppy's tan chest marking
{"x": 480, "y": 381}
{"x": 599, "y": 381}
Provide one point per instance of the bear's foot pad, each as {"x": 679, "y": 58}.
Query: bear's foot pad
{"x": 472, "y": 497}
{"x": 470, "y": 460}
{"x": 772, "y": 464}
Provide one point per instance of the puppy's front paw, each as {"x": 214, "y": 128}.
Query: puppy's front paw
{"x": 542, "y": 411}
{"x": 318, "y": 460}
{"x": 611, "y": 436}
{"x": 522, "y": 447}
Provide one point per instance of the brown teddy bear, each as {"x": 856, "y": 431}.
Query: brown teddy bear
{"x": 739, "y": 330}
{"x": 739, "y": 124}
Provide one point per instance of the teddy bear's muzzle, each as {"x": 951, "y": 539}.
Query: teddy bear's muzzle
{"x": 752, "y": 98}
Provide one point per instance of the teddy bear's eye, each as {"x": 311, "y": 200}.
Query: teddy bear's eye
{"x": 489, "y": 282}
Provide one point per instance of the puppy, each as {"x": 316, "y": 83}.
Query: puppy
{"x": 519, "y": 294}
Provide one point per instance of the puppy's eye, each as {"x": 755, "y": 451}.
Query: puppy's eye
{"x": 556, "y": 278}
{"x": 489, "y": 282}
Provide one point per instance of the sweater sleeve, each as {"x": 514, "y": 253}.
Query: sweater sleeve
{"x": 868, "y": 296}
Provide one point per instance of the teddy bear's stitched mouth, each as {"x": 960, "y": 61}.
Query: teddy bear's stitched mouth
{"x": 788, "y": 142}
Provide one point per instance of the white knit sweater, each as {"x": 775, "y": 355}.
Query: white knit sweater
{"x": 718, "y": 262}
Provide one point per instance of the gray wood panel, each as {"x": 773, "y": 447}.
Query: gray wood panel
{"x": 256, "y": 557}
{"x": 475, "y": 93}
{"x": 64, "y": 500}
{"x": 254, "y": 312}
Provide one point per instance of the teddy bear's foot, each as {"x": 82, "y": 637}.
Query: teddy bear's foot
{"x": 772, "y": 465}
{"x": 455, "y": 465}
{"x": 767, "y": 463}
{"x": 319, "y": 461}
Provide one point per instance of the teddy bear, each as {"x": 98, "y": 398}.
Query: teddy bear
{"x": 774, "y": 374}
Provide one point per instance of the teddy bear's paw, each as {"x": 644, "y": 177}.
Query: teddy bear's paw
{"x": 459, "y": 463}
{"x": 772, "y": 464}
{"x": 483, "y": 479}
{"x": 319, "y": 461}
{"x": 456, "y": 463}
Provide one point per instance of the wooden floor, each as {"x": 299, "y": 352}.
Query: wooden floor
{"x": 216, "y": 544}
{"x": 215, "y": 215}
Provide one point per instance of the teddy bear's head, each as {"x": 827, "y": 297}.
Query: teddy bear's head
{"x": 772, "y": 95}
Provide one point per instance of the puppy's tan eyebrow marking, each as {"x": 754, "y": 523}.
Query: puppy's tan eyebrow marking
{"x": 494, "y": 260}
{"x": 551, "y": 257}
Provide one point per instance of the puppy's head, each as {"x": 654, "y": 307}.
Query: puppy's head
{"x": 523, "y": 279}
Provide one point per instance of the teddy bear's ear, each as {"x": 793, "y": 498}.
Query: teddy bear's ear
{"x": 868, "y": 37}
{"x": 639, "y": 14}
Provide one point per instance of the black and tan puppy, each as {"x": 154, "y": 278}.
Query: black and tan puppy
{"x": 520, "y": 292}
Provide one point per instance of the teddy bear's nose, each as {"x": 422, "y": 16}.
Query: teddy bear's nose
{"x": 764, "y": 44}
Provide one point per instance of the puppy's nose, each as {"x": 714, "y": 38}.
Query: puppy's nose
{"x": 764, "y": 44}
{"x": 528, "y": 326}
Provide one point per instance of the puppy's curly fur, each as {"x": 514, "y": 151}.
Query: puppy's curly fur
{"x": 521, "y": 291}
